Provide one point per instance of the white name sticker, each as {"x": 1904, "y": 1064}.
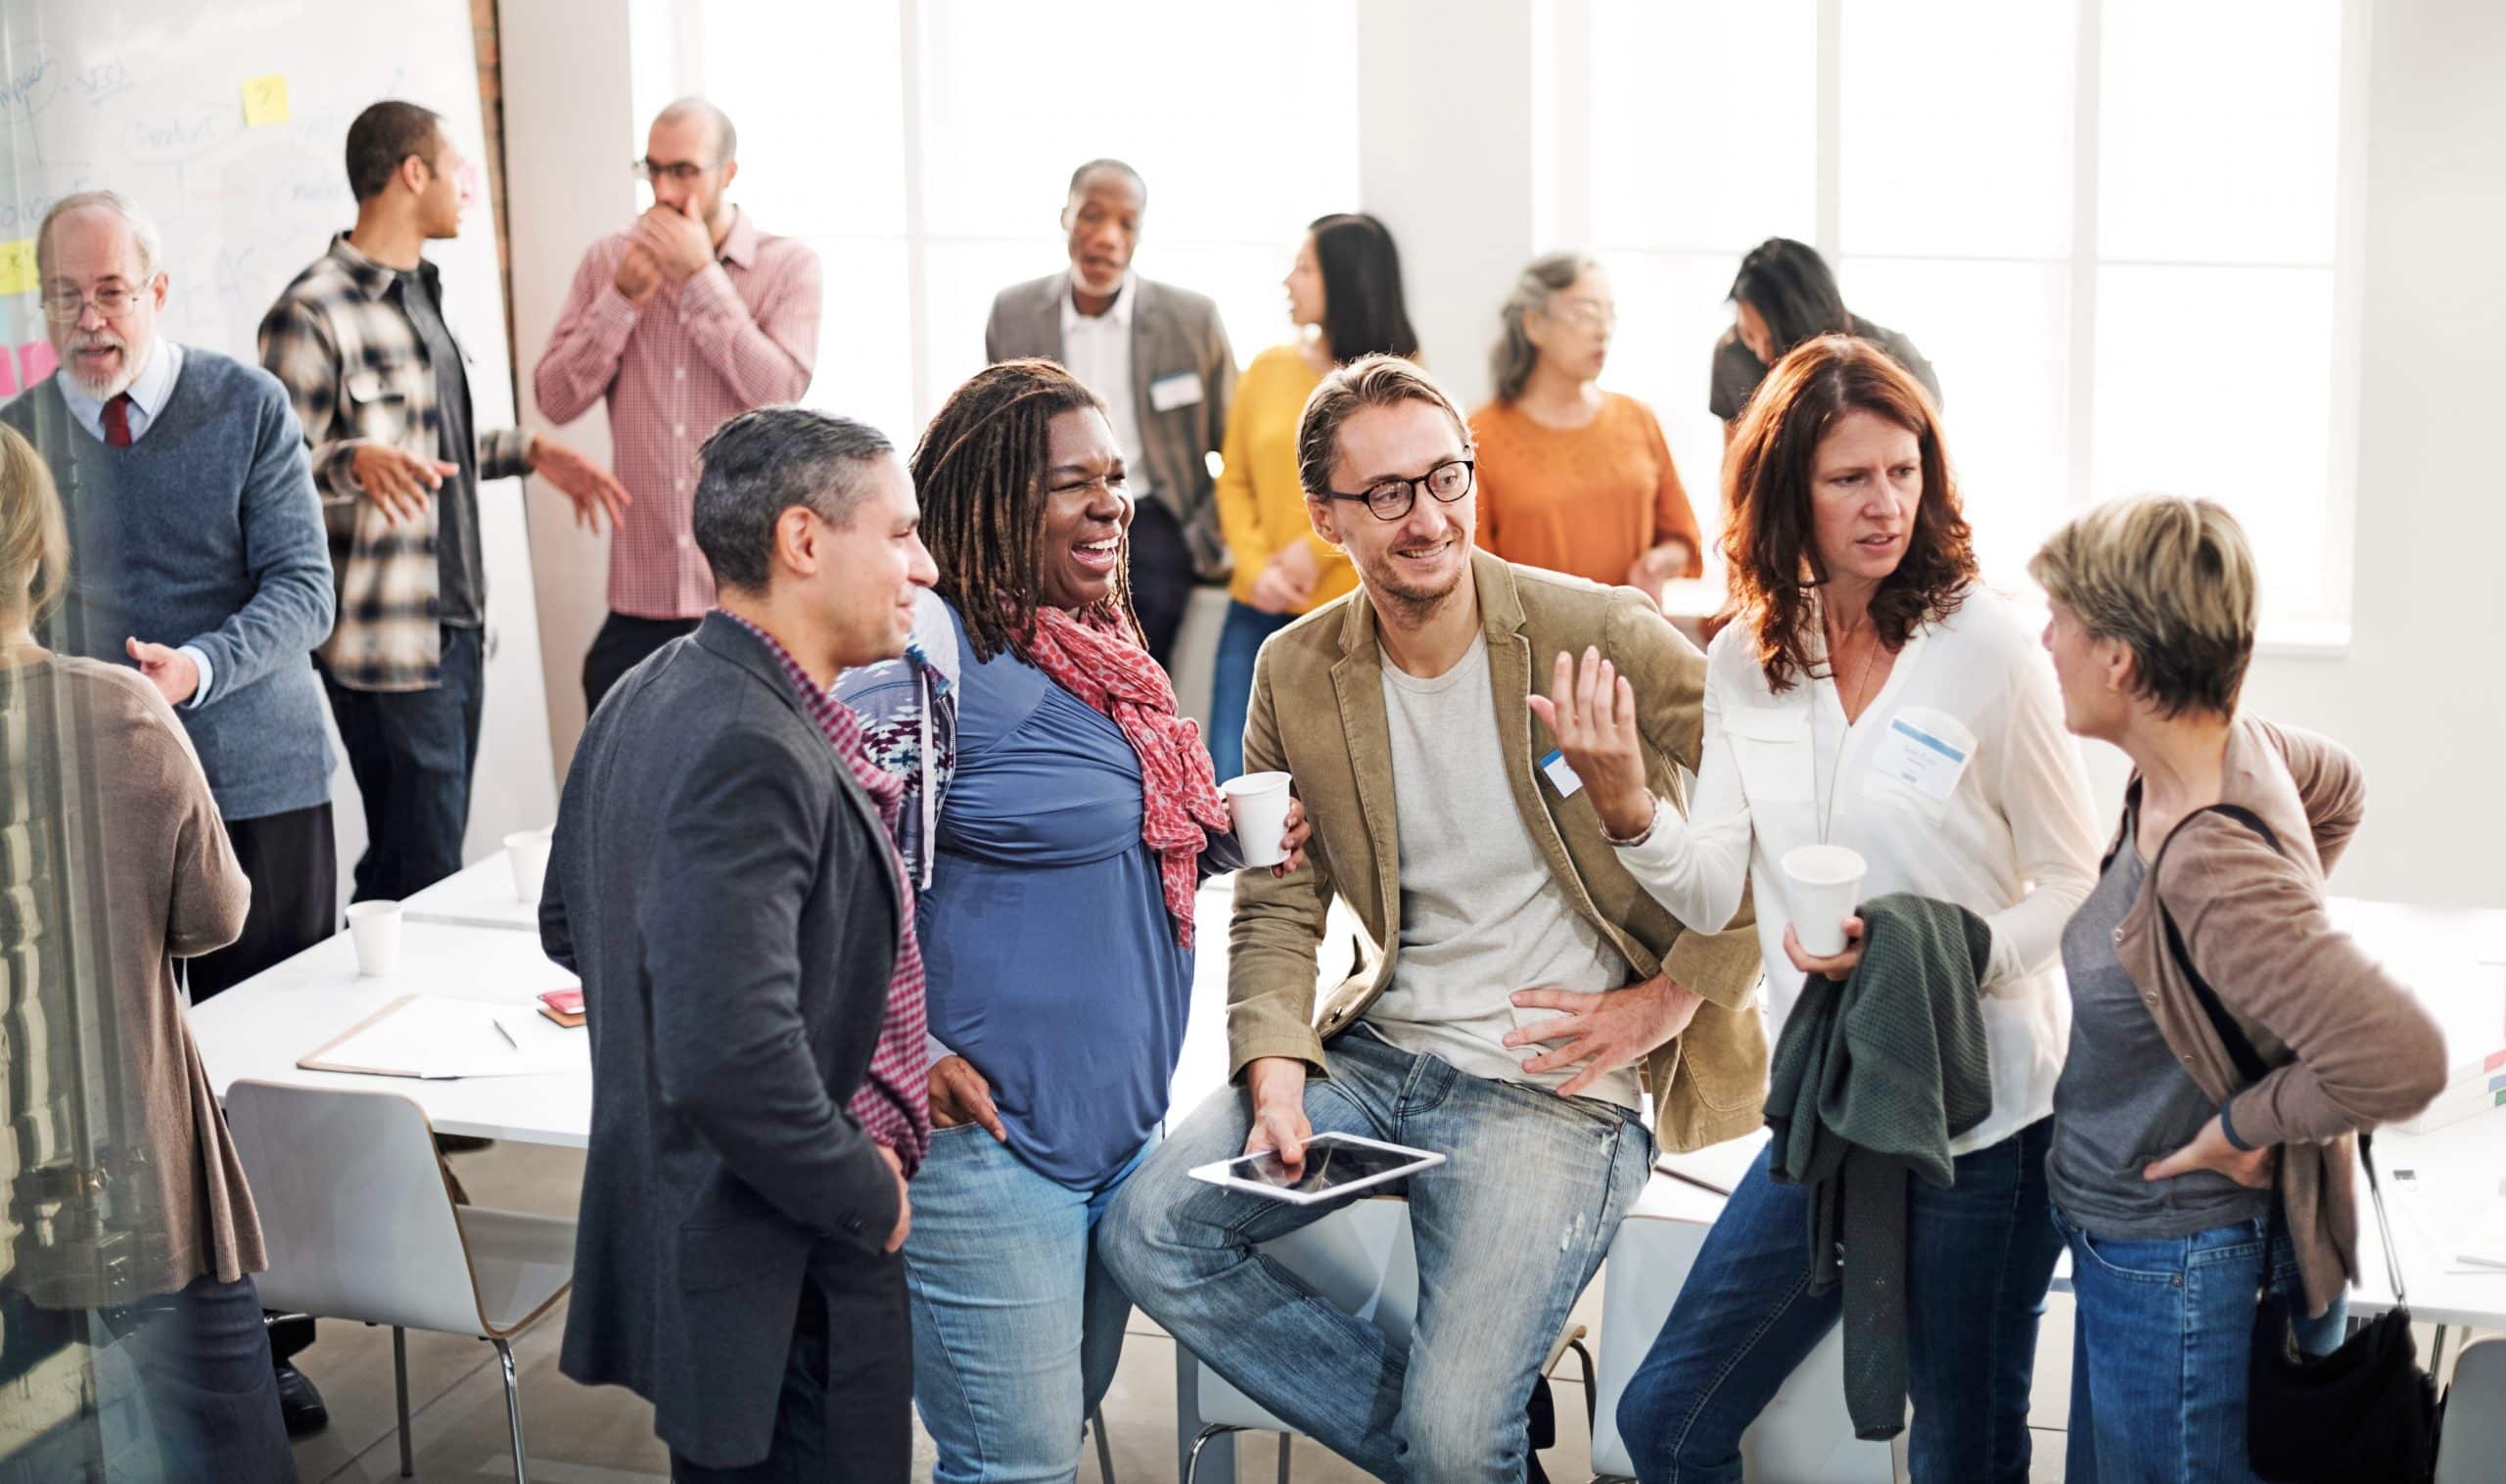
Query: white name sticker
{"x": 1554, "y": 765}
{"x": 1920, "y": 755}
{"x": 1181, "y": 390}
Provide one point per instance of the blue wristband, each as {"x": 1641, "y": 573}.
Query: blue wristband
{"x": 2227, "y": 1127}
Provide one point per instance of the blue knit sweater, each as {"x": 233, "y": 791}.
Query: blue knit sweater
{"x": 204, "y": 532}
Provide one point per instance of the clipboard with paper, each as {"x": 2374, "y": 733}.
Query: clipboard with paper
{"x": 433, "y": 1037}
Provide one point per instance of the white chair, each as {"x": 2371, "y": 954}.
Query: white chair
{"x": 1362, "y": 1260}
{"x": 2473, "y": 1449}
{"x": 361, "y": 1224}
{"x": 1804, "y": 1437}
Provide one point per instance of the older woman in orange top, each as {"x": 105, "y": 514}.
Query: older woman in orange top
{"x": 1572, "y": 478}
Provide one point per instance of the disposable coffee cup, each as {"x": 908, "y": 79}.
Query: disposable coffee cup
{"x": 375, "y": 926}
{"x": 1259, "y": 803}
{"x": 1824, "y": 883}
{"x": 528, "y": 853}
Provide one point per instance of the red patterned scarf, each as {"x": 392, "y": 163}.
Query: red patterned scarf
{"x": 1099, "y": 658}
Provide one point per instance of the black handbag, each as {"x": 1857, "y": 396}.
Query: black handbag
{"x": 2365, "y": 1413}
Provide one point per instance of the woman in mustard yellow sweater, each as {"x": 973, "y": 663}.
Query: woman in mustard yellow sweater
{"x": 1344, "y": 296}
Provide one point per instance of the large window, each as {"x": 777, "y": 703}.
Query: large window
{"x": 923, "y": 148}
{"x": 2123, "y": 232}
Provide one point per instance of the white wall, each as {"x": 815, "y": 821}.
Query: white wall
{"x": 1445, "y": 125}
{"x": 2416, "y": 695}
{"x": 570, "y": 127}
{"x": 1452, "y": 125}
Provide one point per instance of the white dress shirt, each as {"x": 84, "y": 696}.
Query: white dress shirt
{"x": 1097, "y": 349}
{"x": 148, "y": 393}
{"x": 2009, "y": 834}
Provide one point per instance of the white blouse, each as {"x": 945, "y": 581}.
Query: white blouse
{"x": 1958, "y": 783}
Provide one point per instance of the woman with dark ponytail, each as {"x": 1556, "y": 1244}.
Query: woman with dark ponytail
{"x": 1782, "y": 295}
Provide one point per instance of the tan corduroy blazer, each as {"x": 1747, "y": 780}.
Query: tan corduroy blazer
{"x": 1317, "y": 715}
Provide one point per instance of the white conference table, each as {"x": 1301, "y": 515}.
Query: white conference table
{"x": 468, "y": 937}
{"x": 260, "y": 1028}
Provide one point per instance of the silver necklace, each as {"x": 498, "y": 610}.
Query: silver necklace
{"x": 1845, "y": 739}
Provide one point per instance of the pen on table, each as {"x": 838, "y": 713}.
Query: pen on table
{"x": 501, "y": 1031}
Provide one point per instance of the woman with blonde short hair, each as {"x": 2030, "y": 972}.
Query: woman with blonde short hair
{"x": 2207, "y": 929}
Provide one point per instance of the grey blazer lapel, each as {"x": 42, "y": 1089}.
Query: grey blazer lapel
{"x": 1043, "y": 316}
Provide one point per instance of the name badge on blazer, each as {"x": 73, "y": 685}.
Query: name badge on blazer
{"x": 1181, "y": 390}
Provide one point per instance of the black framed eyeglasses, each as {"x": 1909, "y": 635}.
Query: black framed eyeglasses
{"x": 1391, "y": 499}
{"x": 682, "y": 171}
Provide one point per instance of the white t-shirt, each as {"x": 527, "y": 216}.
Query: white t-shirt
{"x": 1482, "y": 914}
{"x": 1097, "y": 349}
{"x": 1958, "y": 783}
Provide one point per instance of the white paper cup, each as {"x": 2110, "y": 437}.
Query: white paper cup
{"x": 1824, "y": 883}
{"x": 528, "y": 853}
{"x": 376, "y": 928}
{"x": 1259, "y": 803}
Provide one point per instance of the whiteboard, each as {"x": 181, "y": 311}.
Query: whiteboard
{"x": 149, "y": 98}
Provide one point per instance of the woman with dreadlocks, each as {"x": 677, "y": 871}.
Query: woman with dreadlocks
{"x": 1061, "y": 817}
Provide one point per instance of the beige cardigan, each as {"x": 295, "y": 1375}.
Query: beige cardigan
{"x": 2349, "y": 1046}
{"x": 161, "y": 881}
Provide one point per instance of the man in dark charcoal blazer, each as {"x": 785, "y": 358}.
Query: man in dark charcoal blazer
{"x": 1159, "y": 357}
{"x": 722, "y": 880}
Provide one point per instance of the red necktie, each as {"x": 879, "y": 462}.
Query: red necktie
{"x": 118, "y": 421}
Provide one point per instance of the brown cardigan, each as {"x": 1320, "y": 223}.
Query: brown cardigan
{"x": 2349, "y": 1046}
{"x": 168, "y": 887}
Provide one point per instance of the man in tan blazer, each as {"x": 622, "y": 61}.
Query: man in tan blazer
{"x": 1489, "y": 895}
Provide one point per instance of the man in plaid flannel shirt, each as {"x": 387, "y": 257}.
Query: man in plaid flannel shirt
{"x": 360, "y": 342}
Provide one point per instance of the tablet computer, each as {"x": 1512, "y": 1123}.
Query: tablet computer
{"x": 1335, "y": 1165}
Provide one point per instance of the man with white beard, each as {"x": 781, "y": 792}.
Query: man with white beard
{"x": 197, "y": 555}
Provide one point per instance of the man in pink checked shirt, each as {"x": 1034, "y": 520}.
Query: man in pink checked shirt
{"x": 685, "y": 319}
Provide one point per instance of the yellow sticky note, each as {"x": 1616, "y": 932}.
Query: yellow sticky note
{"x": 17, "y": 266}
{"x": 264, "y": 101}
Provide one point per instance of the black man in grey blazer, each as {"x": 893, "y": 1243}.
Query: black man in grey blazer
{"x": 1159, "y": 357}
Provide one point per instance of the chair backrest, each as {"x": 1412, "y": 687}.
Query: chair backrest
{"x": 1360, "y": 1259}
{"x": 353, "y": 1205}
{"x": 1804, "y": 1434}
{"x": 2474, "y": 1448}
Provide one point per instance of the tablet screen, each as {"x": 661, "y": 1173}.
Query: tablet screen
{"x": 1330, "y": 1163}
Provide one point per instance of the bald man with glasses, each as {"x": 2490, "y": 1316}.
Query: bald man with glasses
{"x": 678, "y": 323}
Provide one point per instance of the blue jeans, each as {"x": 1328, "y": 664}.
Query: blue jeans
{"x": 1239, "y": 642}
{"x": 176, "y": 1386}
{"x": 2159, "y": 1353}
{"x": 1507, "y": 1229}
{"x": 1016, "y": 1326}
{"x": 1979, "y": 1257}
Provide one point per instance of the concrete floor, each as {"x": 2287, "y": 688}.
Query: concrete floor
{"x": 579, "y": 1435}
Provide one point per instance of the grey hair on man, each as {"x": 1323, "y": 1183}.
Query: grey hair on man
{"x": 763, "y": 463}
{"x": 143, "y": 230}
{"x": 1510, "y": 364}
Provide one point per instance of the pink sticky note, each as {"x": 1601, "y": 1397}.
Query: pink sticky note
{"x": 35, "y": 361}
{"x": 2496, "y": 1059}
{"x": 8, "y": 377}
